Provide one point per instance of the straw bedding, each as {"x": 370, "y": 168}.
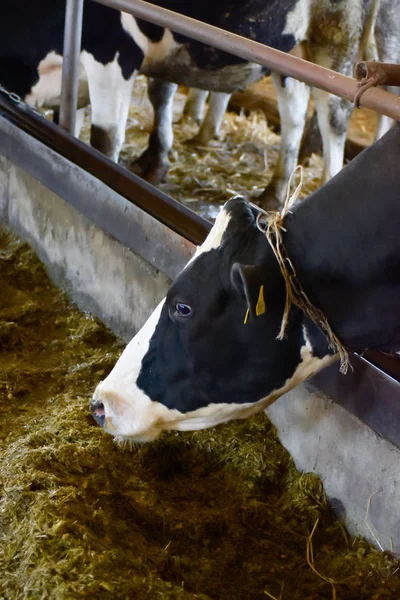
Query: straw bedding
{"x": 214, "y": 515}
{"x": 202, "y": 178}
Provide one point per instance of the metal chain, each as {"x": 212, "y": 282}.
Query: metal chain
{"x": 18, "y": 100}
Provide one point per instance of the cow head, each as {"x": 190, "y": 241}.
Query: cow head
{"x": 209, "y": 352}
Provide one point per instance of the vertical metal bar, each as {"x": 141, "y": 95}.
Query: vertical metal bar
{"x": 70, "y": 68}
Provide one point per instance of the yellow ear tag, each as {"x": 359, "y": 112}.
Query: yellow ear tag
{"x": 260, "y": 306}
{"x": 246, "y": 317}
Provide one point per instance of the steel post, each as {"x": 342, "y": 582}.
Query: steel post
{"x": 70, "y": 68}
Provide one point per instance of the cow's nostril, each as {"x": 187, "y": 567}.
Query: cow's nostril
{"x": 98, "y": 412}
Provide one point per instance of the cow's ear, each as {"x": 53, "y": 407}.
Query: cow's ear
{"x": 248, "y": 280}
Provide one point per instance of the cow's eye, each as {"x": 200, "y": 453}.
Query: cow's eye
{"x": 182, "y": 310}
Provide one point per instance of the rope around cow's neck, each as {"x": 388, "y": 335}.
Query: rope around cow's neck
{"x": 272, "y": 228}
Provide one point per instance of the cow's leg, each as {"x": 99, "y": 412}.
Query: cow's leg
{"x": 333, "y": 118}
{"x": 333, "y": 114}
{"x": 153, "y": 164}
{"x": 211, "y": 124}
{"x": 293, "y": 98}
{"x": 337, "y": 34}
{"x": 311, "y": 142}
{"x": 80, "y": 117}
{"x": 195, "y": 103}
{"x": 110, "y": 97}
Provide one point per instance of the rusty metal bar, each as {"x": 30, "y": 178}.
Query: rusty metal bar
{"x": 151, "y": 200}
{"x": 70, "y": 67}
{"x": 367, "y": 391}
{"x": 147, "y": 237}
{"x": 384, "y": 73}
{"x": 314, "y": 75}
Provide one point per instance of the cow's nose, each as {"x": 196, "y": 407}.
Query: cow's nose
{"x": 98, "y": 412}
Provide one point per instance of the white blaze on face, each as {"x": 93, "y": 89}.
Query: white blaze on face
{"x": 214, "y": 238}
{"x": 129, "y": 412}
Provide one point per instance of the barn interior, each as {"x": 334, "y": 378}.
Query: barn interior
{"x": 298, "y": 503}
{"x": 222, "y": 513}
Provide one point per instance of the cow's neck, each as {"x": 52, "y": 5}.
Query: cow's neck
{"x": 344, "y": 242}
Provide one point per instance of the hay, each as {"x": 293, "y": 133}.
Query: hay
{"x": 219, "y": 514}
{"x": 202, "y": 178}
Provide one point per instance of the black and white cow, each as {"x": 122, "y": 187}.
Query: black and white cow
{"x": 330, "y": 33}
{"x": 210, "y": 119}
{"x": 115, "y": 46}
{"x": 197, "y": 362}
{"x": 31, "y": 46}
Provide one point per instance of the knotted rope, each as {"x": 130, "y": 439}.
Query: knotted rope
{"x": 272, "y": 228}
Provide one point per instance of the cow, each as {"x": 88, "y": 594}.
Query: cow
{"x": 115, "y": 46}
{"x": 31, "y": 47}
{"x": 209, "y": 353}
{"x": 211, "y": 122}
{"x": 332, "y": 34}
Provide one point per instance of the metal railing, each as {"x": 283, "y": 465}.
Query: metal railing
{"x": 148, "y": 198}
{"x": 280, "y": 62}
{"x": 70, "y": 68}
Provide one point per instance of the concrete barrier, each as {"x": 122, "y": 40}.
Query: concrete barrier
{"x": 120, "y": 283}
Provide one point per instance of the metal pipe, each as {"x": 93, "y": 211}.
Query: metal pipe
{"x": 383, "y": 73}
{"x": 70, "y": 66}
{"x": 314, "y": 75}
{"x": 141, "y": 193}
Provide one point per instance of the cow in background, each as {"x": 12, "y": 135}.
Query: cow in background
{"x": 370, "y": 31}
{"x": 208, "y": 118}
{"x": 209, "y": 353}
{"x": 115, "y": 46}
